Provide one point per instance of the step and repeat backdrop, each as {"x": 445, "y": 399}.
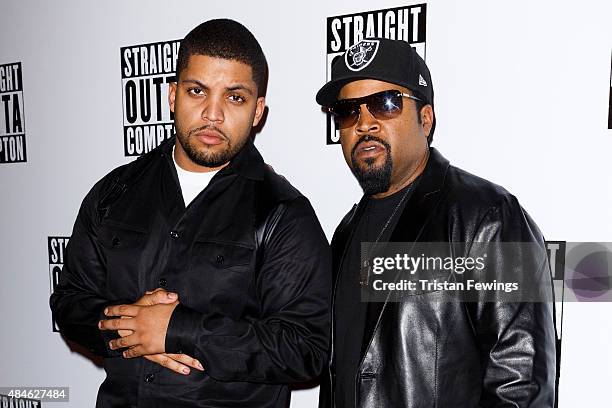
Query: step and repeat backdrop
{"x": 523, "y": 98}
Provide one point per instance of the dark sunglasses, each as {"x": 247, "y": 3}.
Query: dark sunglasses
{"x": 382, "y": 105}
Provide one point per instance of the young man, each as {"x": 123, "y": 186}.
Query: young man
{"x": 426, "y": 349}
{"x": 199, "y": 274}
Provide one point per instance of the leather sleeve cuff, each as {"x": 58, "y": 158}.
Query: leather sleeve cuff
{"x": 182, "y": 330}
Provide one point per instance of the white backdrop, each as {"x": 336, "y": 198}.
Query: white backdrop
{"x": 522, "y": 92}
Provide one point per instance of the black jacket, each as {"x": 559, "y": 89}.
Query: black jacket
{"x": 248, "y": 259}
{"x": 430, "y": 353}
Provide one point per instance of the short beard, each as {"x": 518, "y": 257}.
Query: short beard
{"x": 373, "y": 180}
{"x": 208, "y": 159}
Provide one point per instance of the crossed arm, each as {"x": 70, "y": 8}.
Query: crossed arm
{"x": 142, "y": 327}
{"x": 79, "y": 299}
{"x": 286, "y": 343}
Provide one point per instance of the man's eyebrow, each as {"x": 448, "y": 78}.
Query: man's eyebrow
{"x": 239, "y": 87}
{"x": 194, "y": 81}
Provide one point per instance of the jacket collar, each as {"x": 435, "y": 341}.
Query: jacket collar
{"x": 248, "y": 163}
{"x": 409, "y": 224}
{"x": 423, "y": 200}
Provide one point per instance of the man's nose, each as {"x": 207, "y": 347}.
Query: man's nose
{"x": 212, "y": 109}
{"x": 366, "y": 123}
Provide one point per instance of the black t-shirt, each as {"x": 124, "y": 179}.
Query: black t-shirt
{"x": 350, "y": 310}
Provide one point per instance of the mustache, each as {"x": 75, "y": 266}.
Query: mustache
{"x": 208, "y": 127}
{"x": 367, "y": 138}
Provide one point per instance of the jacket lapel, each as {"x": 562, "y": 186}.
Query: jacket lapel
{"x": 411, "y": 224}
{"x": 343, "y": 235}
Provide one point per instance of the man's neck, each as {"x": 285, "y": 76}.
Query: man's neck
{"x": 407, "y": 180}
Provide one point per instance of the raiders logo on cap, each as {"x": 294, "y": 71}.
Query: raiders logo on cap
{"x": 361, "y": 54}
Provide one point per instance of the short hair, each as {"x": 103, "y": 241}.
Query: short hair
{"x": 227, "y": 39}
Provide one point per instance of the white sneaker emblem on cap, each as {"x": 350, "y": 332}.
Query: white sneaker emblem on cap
{"x": 361, "y": 54}
{"x": 422, "y": 80}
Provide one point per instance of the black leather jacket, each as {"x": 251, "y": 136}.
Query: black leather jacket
{"x": 248, "y": 259}
{"x": 448, "y": 354}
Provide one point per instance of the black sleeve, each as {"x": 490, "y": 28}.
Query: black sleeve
{"x": 516, "y": 339}
{"x": 78, "y": 301}
{"x": 288, "y": 343}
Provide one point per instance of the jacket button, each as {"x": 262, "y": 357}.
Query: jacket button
{"x": 174, "y": 234}
{"x": 219, "y": 259}
{"x": 149, "y": 377}
{"x": 162, "y": 282}
{"x": 116, "y": 242}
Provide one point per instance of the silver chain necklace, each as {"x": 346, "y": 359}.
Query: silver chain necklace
{"x": 366, "y": 265}
{"x": 364, "y": 272}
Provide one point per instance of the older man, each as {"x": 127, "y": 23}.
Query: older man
{"x": 427, "y": 349}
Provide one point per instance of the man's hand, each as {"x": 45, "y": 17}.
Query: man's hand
{"x": 151, "y": 298}
{"x": 179, "y": 363}
{"x": 173, "y": 362}
{"x": 148, "y": 324}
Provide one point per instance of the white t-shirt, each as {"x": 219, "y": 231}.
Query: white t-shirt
{"x": 192, "y": 182}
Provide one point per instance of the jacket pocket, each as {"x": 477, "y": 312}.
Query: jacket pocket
{"x": 123, "y": 247}
{"x": 223, "y": 255}
{"x": 116, "y": 236}
{"x": 220, "y": 277}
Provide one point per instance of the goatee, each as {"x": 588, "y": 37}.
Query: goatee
{"x": 204, "y": 158}
{"x": 373, "y": 179}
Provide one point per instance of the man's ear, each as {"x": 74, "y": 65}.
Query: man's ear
{"x": 172, "y": 95}
{"x": 427, "y": 117}
{"x": 259, "y": 110}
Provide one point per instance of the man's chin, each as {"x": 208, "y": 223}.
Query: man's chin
{"x": 369, "y": 167}
{"x": 372, "y": 186}
{"x": 209, "y": 157}
{"x": 374, "y": 178}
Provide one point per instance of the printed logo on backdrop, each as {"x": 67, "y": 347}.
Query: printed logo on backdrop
{"x": 406, "y": 23}
{"x": 610, "y": 103}
{"x": 146, "y": 71}
{"x": 556, "y": 260}
{"x": 15, "y": 402}
{"x": 57, "y": 249}
{"x": 12, "y": 125}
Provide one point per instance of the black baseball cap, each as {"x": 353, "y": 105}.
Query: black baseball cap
{"x": 392, "y": 61}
